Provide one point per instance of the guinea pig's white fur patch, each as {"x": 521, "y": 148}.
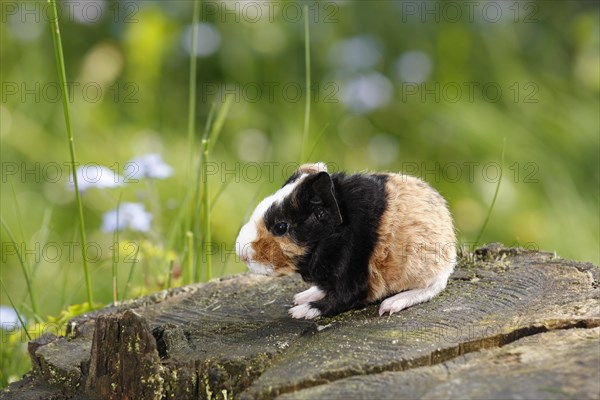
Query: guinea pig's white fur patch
{"x": 312, "y": 294}
{"x": 304, "y": 311}
{"x": 253, "y": 231}
{"x": 409, "y": 298}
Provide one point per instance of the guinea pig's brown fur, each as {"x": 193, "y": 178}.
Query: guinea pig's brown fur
{"x": 279, "y": 251}
{"x": 419, "y": 241}
{"x": 357, "y": 238}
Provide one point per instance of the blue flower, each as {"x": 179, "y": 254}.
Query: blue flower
{"x": 148, "y": 166}
{"x": 130, "y": 215}
{"x": 9, "y": 318}
{"x": 95, "y": 176}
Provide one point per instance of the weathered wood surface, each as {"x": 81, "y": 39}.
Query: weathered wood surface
{"x": 511, "y": 324}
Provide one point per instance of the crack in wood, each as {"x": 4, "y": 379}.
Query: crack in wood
{"x": 441, "y": 356}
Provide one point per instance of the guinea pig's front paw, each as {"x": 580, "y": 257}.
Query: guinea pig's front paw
{"x": 312, "y": 294}
{"x": 304, "y": 311}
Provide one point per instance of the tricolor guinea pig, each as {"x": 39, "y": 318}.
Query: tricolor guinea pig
{"x": 355, "y": 238}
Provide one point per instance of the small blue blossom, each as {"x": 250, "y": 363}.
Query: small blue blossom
{"x": 148, "y": 166}
{"x": 130, "y": 215}
{"x": 95, "y": 176}
{"x": 9, "y": 319}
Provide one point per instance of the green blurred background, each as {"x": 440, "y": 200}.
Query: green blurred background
{"x": 427, "y": 88}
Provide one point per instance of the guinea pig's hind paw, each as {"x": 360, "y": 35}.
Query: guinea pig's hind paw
{"x": 406, "y": 299}
{"x": 392, "y": 305}
{"x": 304, "y": 311}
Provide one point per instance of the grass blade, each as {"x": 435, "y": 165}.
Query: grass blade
{"x": 219, "y": 121}
{"x": 200, "y": 166}
{"x": 219, "y": 193}
{"x": 308, "y": 83}
{"x": 62, "y": 76}
{"x": 208, "y": 142}
{"x": 199, "y": 190}
{"x": 487, "y": 218}
{"x": 207, "y": 234}
{"x": 19, "y": 220}
{"x": 32, "y": 299}
{"x": 43, "y": 239}
{"x": 321, "y": 135}
{"x": 12, "y": 304}
{"x": 181, "y": 221}
{"x": 155, "y": 207}
{"x": 192, "y": 89}
{"x": 190, "y": 273}
{"x": 130, "y": 275}
{"x": 65, "y": 280}
{"x": 116, "y": 251}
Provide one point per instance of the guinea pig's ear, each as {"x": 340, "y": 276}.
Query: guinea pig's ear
{"x": 323, "y": 200}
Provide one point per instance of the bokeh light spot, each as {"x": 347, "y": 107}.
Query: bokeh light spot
{"x": 208, "y": 40}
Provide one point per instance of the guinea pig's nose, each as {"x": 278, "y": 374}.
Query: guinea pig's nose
{"x": 243, "y": 249}
{"x": 245, "y": 255}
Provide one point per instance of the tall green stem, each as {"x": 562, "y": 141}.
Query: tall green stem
{"x": 209, "y": 139}
{"x": 62, "y": 76}
{"x": 487, "y": 218}
{"x": 12, "y": 304}
{"x": 308, "y": 84}
{"x": 189, "y": 276}
{"x": 30, "y": 291}
{"x": 116, "y": 254}
{"x": 207, "y": 238}
{"x": 192, "y": 90}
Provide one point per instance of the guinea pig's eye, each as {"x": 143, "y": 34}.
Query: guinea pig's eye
{"x": 280, "y": 228}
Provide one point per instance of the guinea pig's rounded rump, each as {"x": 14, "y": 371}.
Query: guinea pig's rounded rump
{"x": 416, "y": 238}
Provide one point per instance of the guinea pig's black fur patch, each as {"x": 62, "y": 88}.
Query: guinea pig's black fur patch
{"x": 336, "y": 218}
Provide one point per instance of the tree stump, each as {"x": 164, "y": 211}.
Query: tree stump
{"x": 512, "y": 323}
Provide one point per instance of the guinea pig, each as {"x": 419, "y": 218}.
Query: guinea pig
{"x": 356, "y": 239}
